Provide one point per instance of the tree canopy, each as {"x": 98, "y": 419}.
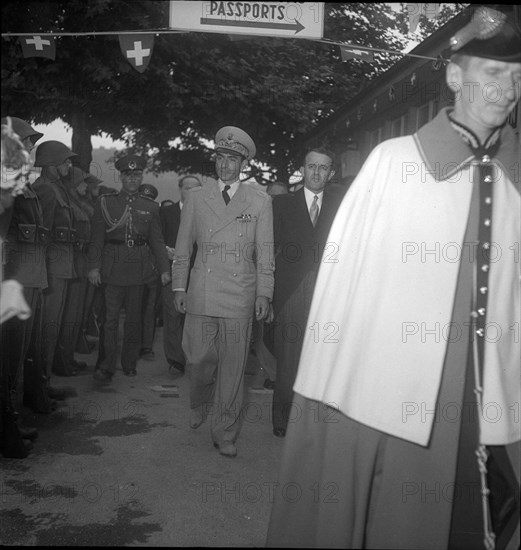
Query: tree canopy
{"x": 277, "y": 89}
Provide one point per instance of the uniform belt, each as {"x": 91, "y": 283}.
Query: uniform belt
{"x": 134, "y": 241}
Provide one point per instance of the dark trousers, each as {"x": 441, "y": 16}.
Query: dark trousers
{"x": 117, "y": 297}
{"x": 289, "y": 331}
{"x": 21, "y": 358}
{"x": 54, "y": 298}
{"x": 70, "y": 326}
{"x": 150, "y": 301}
{"x": 173, "y": 323}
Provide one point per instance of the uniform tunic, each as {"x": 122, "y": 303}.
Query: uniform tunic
{"x": 25, "y": 257}
{"x": 234, "y": 265}
{"x": 58, "y": 217}
{"x": 126, "y": 244}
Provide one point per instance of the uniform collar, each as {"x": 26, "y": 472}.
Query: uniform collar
{"x": 130, "y": 197}
{"x": 446, "y": 145}
{"x": 233, "y": 186}
{"x": 489, "y": 146}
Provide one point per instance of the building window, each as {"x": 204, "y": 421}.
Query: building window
{"x": 426, "y": 113}
{"x": 399, "y": 126}
{"x": 375, "y": 137}
{"x": 350, "y": 162}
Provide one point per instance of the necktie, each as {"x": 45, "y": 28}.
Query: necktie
{"x": 313, "y": 211}
{"x": 226, "y": 197}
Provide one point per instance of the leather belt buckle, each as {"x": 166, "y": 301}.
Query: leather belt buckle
{"x": 130, "y": 243}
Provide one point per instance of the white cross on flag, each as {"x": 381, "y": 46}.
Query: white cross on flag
{"x": 38, "y": 46}
{"x": 349, "y": 52}
{"x": 137, "y": 49}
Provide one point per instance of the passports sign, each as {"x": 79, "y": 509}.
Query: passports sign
{"x": 289, "y": 19}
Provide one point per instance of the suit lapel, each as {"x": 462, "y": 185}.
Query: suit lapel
{"x": 301, "y": 211}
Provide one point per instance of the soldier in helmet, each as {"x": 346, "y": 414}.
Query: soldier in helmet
{"x": 27, "y": 134}
{"x": 65, "y": 363}
{"x": 55, "y": 160}
{"x": 24, "y": 239}
{"x": 125, "y": 239}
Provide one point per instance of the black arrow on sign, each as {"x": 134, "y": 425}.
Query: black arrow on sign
{"x": 296, "y": 26}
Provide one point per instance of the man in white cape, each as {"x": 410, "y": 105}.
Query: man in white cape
{"x": 406, "y": 427}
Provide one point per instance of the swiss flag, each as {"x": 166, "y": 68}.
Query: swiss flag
{"x": 137, "y": 49}
{"x": 350, "y": 52}
{"x": 38, "y": 46}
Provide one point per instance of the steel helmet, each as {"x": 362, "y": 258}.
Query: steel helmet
{"x": 23, "y": 129}
{"x": 52, "y": 153}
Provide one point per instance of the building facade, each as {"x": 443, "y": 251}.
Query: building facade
{"x": 396, "y": 103}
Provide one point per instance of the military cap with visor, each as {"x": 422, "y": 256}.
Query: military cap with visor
{"x": 231, "y": 138}
{"x": 493, "y": 32}
{"x": 52, "y": 153}
{"x": 130, "y": 163}
{"x": 148, "y": 190}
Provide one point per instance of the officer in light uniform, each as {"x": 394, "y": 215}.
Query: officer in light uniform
{"x": 126, "y": 252}
{"x": 232, "y": 225}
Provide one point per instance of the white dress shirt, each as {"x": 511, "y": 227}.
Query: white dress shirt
{"x": 233, "y": 187}
{"x": 310, "y": 196}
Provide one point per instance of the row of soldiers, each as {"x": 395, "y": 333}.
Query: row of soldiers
{"x": 46, "y": 232}
{"x": 61, "y": 238}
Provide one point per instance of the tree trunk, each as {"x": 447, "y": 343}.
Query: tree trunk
{"x": 81, "y": 140}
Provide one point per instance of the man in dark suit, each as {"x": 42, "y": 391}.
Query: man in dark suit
{"x": 125, "y": 233}
{"x": 170, "y": 215}
{"x": 150, "y": 294}
{"x": 301, "y": 223}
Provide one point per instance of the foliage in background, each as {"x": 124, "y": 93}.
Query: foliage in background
{"x": 277, "y": 89}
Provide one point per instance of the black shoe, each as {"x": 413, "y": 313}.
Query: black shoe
{"x": 40, "y": 406}
{"x": 130, "y": 372}
{"x": 12, "y": 444}
{"x": 279, "y": 432}
{"x": 28, "y": 433}
{"x": 62, "y": 369}
{"x": 35, "y": 396}
{"x": 56, "y": 393}
{"x": 269, "y": 384}
{"x": 176, "y": 368}
{"x": 226, "y": 448}
{"x": 102, "y": 376}
{"x": 147, "y": 354}
{"x": 79, "y": 365}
